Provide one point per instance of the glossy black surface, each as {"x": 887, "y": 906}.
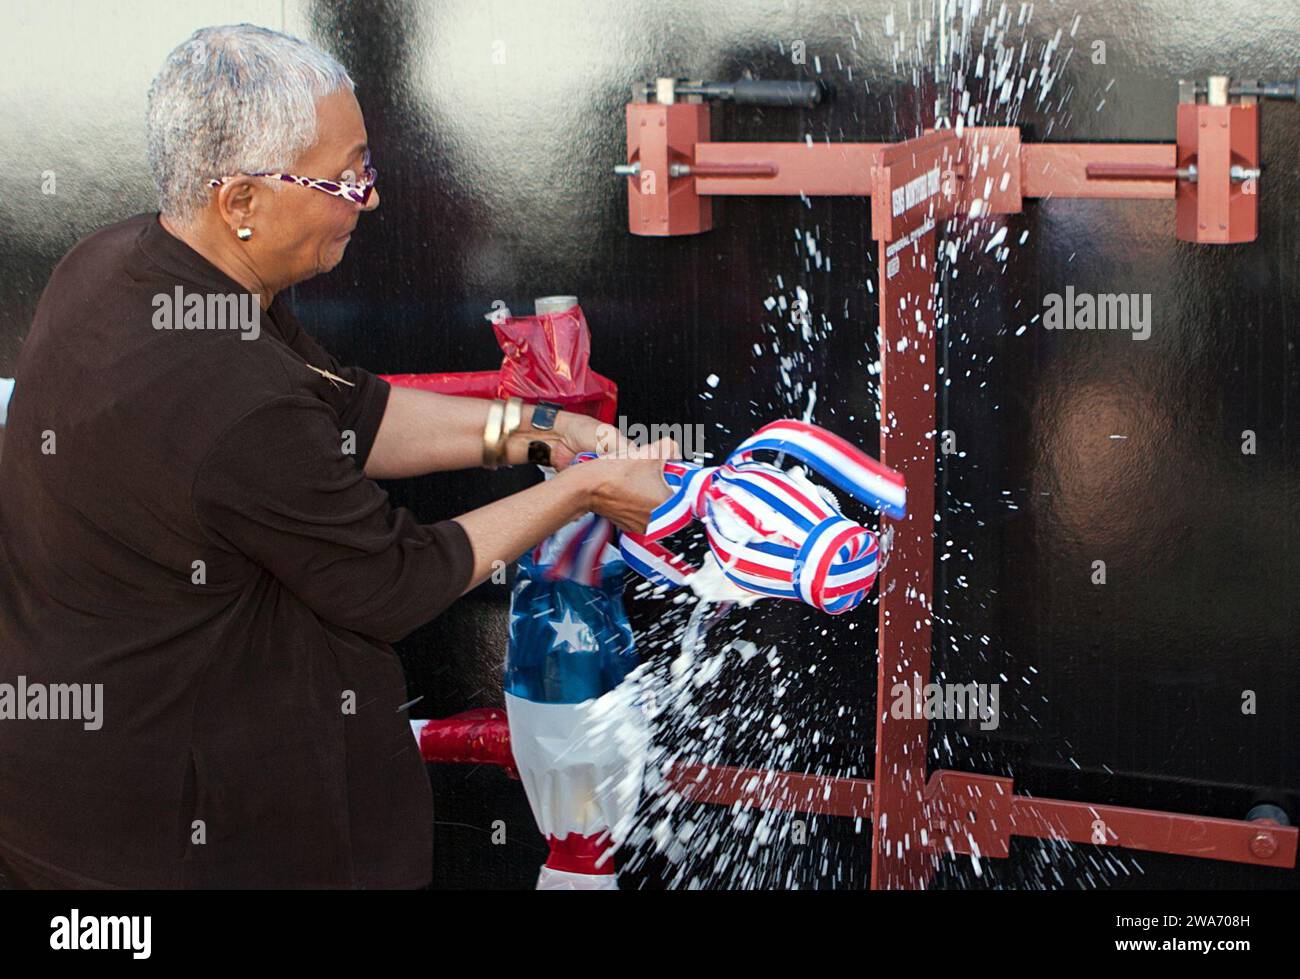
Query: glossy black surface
{"x": 495, "y": 174}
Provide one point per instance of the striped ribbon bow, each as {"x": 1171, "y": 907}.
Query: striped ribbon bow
{"x": 773, "y": 533}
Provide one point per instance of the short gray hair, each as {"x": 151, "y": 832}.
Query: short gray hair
{"x": 237, "y": 99}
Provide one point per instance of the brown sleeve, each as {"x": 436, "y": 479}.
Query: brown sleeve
{"x": 277, "y": 488}
{"x": 360, "y": 406}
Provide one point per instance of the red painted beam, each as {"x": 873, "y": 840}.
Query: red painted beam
{"x": 814, "y": 169}
{"x": 1061, "y": 170}
{"x": 845, "y": 169}
{"x": 1236, "y": 840}
{"x": 967, "y": 814}
{"x": 908, "y": 201}
{"x": 816, "y": 795}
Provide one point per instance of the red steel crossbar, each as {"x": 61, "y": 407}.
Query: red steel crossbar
{"x": 978, "y": 815}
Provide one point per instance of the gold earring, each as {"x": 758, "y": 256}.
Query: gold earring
{"x": 243, "y": 234}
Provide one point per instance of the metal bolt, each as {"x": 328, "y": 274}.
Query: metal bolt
{"x": 1216, "y": 90}
{"x": 1263, "y": 844}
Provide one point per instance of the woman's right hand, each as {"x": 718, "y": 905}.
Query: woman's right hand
{"x": 625, "y": 488}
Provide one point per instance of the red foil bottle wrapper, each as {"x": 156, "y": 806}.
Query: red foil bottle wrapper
{"x": 547, "y": 358}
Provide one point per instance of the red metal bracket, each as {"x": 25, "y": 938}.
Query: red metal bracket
{"x": 659, "y": 139}
{"x": 1219, "y": 207}
{"x": 915, "y": 185}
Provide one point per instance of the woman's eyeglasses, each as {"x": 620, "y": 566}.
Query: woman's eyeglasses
{"x": 357, "y": 192}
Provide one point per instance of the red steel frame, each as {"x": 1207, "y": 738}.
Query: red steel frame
{"x": 915, "y": 185}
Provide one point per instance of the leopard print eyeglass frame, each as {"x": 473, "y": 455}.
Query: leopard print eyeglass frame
{"x": 357, "y": 192}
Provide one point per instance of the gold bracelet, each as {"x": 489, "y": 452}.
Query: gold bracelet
{"x": 514, "y": 416}
{"x": 492, "y": 433}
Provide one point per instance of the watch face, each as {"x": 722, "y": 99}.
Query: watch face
{"x": 544, "y": 415}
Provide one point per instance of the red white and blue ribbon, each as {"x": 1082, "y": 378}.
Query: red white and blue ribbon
{"x": 582, "y": 550}
{"x": 772, "y": 534}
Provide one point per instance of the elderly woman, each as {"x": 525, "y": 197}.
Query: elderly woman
{"x": 198, "y": 566}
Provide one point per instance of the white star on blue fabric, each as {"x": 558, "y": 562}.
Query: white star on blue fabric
{"x": 515, "y": 615}
{"x": 574, "y": 633}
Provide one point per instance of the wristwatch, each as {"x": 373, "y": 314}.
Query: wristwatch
{"x": 544, "y": 413}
